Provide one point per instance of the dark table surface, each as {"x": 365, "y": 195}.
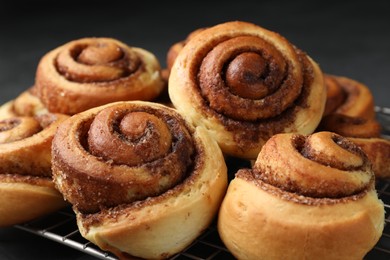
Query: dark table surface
{"x": 348, "y": 38}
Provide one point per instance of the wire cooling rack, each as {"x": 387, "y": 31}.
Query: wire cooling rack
{"x": 61, "y": 226}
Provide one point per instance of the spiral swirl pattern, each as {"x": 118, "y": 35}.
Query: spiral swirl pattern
{"x": 351, "y": 126}
{"x": 348, "y": 97}
{"x": 26, "y": 144}
{"x": 350, "y": 113}
{"x": 323, "y": 165}
{"x": 137, "y": 174}
{"x": 349, "y": 109}
{"x": 14, "y": 129}
{"x": 26, "y": 186}
{"x": 122, "y": 153}
{"x": 27, "y": 104}
{"x": 256, "y": 73}
{"x": 245, "y": 84}
{"x": 89, "y": 72}
{"x": 98, "y": 61}
{"x": 303, "y": 192}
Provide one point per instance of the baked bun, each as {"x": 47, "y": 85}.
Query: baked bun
{"x": 348, "y": 97}
{"x": 244, "y": 84}
{"x": 378, "y": 151}
{"x": 142, "y": 181}
{"x": 350, "y": 112}
{"x": 26, "y": 187}
{"x": 306, "y": 197}
{"x": 25, "y": 104}
{"x": 89, "y": 72}
{"x": 349, "y": 109}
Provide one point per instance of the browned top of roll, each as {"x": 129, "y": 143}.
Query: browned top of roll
{"x": 350, "y": 113}
{"x": 322, "y": 165}
{"x": 120, "y": 153}
{"x": 348, "y": 97}
{"x": 25, "y": 144}
{"x": 89, "y": 72}
{"x": 97, "y": 61}
{"x": 245, "y": 77}
{"x": 349, "y": 109}
{"x": 251, "y": 80}
{"x": 351, "y": 126}
{"x": 378, "y": 151}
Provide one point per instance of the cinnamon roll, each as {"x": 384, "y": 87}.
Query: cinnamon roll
{"x": 244, "y": 84}
{"x": 25, "y": 104}
{"x": 378, "y": 151}
{"x": 350, "y": 112}
{"x": 348, "y": 97}
{"x": 89, "y": 72}
{"x": 306, "y": 197}
{"x": 26, "y": 187}
{"x": 143, "y": 182}
{"x": 349, "y": 108}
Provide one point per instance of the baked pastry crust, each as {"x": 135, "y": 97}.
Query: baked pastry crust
{"x": 25, "y": 104}
{"x": 26, "y": 188}
{"x": 378, "y": 151}
{"x": 323, "y": 206}
{"x": 350, "y": 112}
{"x": 154, "y": 225}
{"x": 25, "y": 198}
{"x": 89, "y": 72}
{"x": 244, "y": 84}
{"x": 348, "y": 97}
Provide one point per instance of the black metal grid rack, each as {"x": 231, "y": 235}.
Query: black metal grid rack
{"x": 61, "y": 226}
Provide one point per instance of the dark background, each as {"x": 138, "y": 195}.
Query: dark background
{"x": 348, "y": 38}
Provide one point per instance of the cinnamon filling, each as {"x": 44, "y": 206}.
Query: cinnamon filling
{"x": 133, "y": 152}
{"x": 8, "y": 124}
{"x": 113, "y": 213}
{"x": 336, "y": 95}
{"x": 351, "y": 126}
{"x": 252, "y": 176}
{"x": 245, "y": 76}
{"x": 131, "y": 139}
{"x": 247, "y": 66}
{"x": 18, "y": 128}
{"x": 248, "y": 86}
{"x": 322, "y": 156}
{"x": 100, "y": 61}
{"x": 322, "y": 165}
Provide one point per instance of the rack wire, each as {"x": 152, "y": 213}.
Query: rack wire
{"x": 61, "y": 226}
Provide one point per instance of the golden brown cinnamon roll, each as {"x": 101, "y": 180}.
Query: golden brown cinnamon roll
{"x": 351, "y": 126}
{"x": 244, "y": 84}
{"x": 365, "y": 133}
{"x": 25, "y": 104}
{"x": 349, "y": 109}
{"x": 89, "y": 72}
{"x": 378, "y": 151}
{"x": 306, "y": 197}
{"x": 350, "y": 113}
{"x": 348, "y": 97}
{"x": 142, "y": 181}
{"x": 26, "y": 187}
